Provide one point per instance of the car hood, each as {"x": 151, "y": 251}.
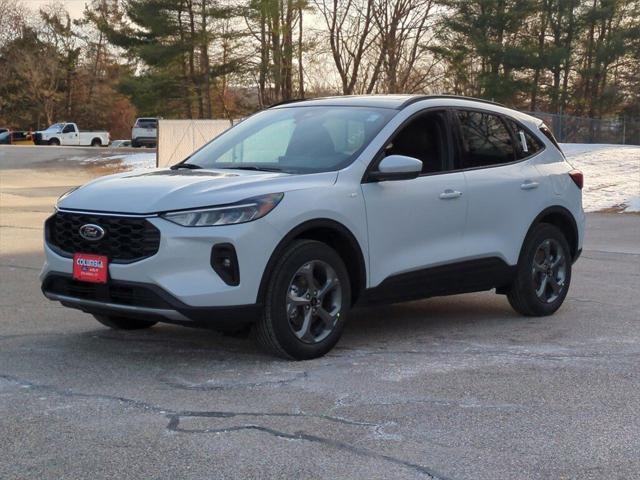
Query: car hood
{"x": 162, "y": 190}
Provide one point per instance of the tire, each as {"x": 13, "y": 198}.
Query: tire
{"x": 123, "y": 323}
{"x": 289, "y": 302}
{"x": 135, "y": 144}
{"x": 96, "y": 142}
{"x": 54, "y": 141}
{"x": 543, "y": 273}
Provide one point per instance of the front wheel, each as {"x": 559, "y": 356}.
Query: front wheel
{"x": 306, "y": 302}
{"x": 54, "y": 141}
{"x": 543, "y": 273}
{"x": 123, "y": 323}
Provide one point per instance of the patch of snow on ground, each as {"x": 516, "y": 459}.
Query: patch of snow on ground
{"x": 611, "y": 175}
{"x": 130, "y": 161}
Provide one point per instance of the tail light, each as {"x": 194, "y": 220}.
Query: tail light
{"x": 577, "y": 177}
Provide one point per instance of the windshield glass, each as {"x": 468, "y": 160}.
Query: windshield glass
{"x": 55, "y": 126}
{"x": 295, "y": 139}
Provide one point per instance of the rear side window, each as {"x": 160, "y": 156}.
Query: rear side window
{"x": 526, "y": 143}
{"x": 485, "y": 140}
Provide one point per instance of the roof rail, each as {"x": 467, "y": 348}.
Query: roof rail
{"x": 284, "y": 102}
{"x": 418, "y": 98}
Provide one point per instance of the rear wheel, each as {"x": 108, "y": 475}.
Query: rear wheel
{"x": 306, "y": 302}
{"x": 96, "y": 142}
{"x": 124, "y": 323}
{"x": 543, "y": 273}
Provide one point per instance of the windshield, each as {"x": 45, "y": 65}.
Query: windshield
{"x": 295, "y": 139}
{"x": 56, "y": 126}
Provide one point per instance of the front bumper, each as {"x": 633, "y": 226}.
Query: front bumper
{"x": 178, "y": 283}
{"x": 145, "y": 301}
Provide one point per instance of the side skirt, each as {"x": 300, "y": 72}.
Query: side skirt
{"x": 454, "y": 278}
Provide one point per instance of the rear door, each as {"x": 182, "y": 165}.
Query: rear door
{"x": 416, "y": 224}
{"x": 504, "y": 188}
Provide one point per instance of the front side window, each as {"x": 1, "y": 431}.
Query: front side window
{"x": 485, "y": 140}
{"x": 68, "y": 129}
{"x": 295, "y": 139}
{"x": 423, "y": 138}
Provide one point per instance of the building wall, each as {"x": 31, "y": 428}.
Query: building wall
{"x": 177, "y": 139}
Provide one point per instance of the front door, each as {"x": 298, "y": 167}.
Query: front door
{"x": 416, "y": 224}
{"x": 69, "y": 136}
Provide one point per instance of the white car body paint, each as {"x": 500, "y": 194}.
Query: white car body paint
{"x": 399, "y": 226}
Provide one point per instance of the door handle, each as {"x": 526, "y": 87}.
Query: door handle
{"x": 529, "y": 185}
{"x": 449, "y": 194}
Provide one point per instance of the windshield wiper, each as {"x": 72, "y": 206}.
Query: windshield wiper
{"x": 190, "y": 166}
{"x": 255, "y": 168}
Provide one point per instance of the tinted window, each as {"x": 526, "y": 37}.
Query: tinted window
{"x": 485, "y": 140}
{"x": 295, "y": 139}
{"x": 68, "y": 129}
{"x": 526, "y": 143}
{"x": 147, "y": 123}
{"x": 423, "y": 138}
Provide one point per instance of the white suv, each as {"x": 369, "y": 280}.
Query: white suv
{"x": 304, "y": 210}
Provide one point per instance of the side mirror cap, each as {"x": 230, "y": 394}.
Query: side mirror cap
{"x": 396, "y": 167}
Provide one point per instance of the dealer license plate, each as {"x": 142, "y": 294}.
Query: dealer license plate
{"x": 90, "y": 268}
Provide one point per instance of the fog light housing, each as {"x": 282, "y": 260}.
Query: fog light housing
{"x": 225, "y": 263}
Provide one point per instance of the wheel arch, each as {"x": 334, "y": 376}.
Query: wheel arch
{"x": 563, "y": 219}
{"x": 332, "y": 233}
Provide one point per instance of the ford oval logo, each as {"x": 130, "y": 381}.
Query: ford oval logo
{"x": 91, "y": 232}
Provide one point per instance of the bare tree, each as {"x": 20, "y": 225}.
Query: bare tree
{"x": 11, "y": 20}
{"x": 406, "y": 28}
{"x": 351, "y": 36}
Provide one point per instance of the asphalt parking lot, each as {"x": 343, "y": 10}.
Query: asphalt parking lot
{"x": 449, "y": 388}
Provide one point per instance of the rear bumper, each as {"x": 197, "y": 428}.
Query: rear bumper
{"x": 144, "y": 140}
{"x": 144, "y": 301}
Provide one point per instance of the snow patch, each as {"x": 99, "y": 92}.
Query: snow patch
{"x": 611, "y": 175}
{"x": 130, "y": 161}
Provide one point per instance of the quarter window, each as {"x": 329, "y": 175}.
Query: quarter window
{"x": 485, "y": 139}
{"x": 526, "y": 144}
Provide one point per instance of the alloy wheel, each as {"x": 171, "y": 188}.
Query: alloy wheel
{"x": 549, "y": 270}
{"x": 314, "y": 301}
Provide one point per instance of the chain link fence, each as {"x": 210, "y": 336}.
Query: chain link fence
{"x": 570, "y": 129}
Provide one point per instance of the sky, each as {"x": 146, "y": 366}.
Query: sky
{"x": 75, "y": 7}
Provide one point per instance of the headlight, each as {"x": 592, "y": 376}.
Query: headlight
{"x": 240, "y": 212}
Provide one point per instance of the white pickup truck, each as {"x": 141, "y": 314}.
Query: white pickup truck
{"x": 67, "y": 133}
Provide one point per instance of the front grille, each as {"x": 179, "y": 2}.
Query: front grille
{"x": 126, "y": 239}
{"x": 120, "y": 293}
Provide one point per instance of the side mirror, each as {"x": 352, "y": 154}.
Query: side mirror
{"x": 397, "y": 167}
